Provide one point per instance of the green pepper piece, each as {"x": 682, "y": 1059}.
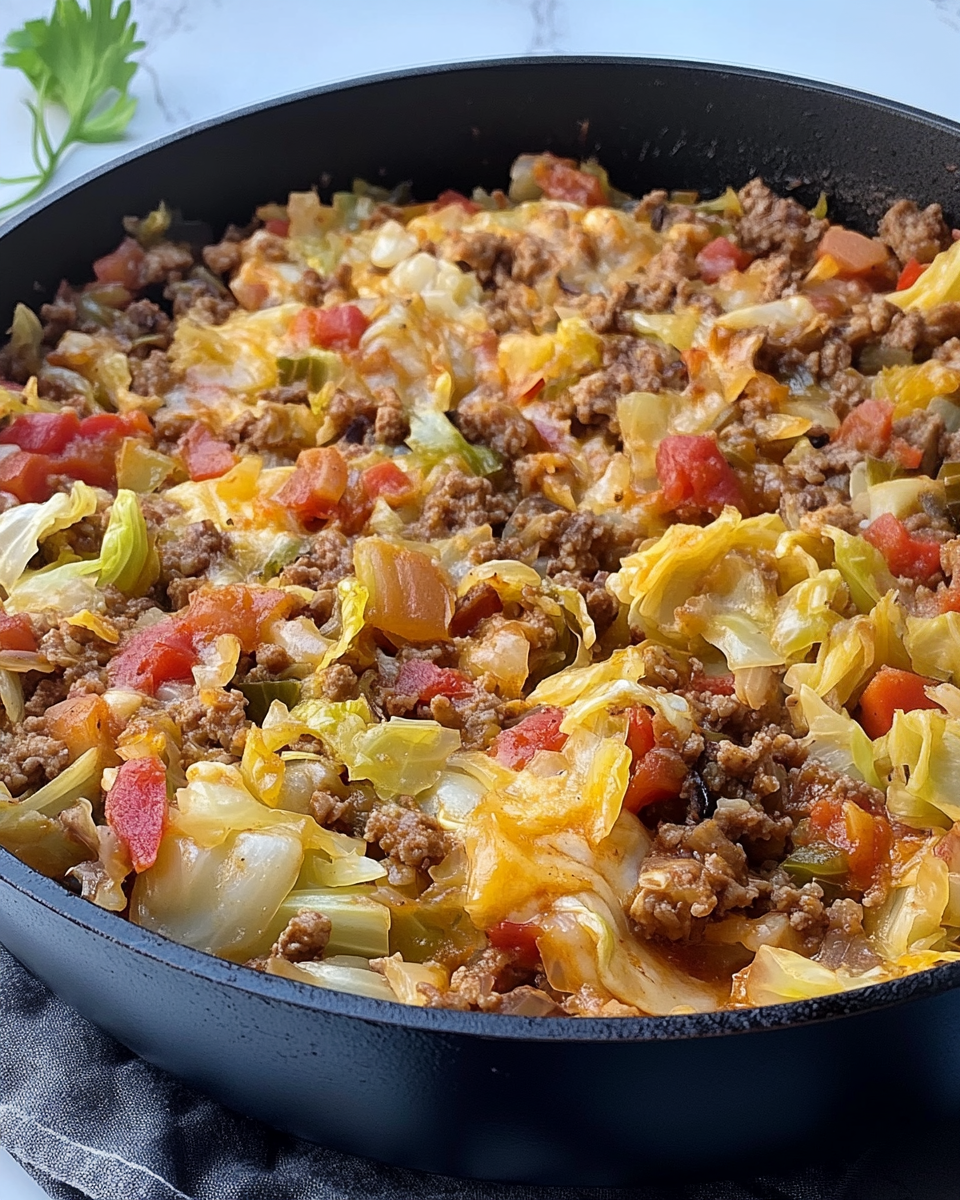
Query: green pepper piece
{"x": 816, "y": 861}
{"x": 950, "y": 475}
{"x": 261, "y": 694}
{"x": 310, "y": 368}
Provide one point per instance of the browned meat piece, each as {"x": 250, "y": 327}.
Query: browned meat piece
{"x": 601, "y": 604}
{"x": 165, "y": 263}
{"x": 390, "y": 425}
{"x": 924, "y": 332}
{"x": 662, "y": 276}
{"x": 579, "y": 538}
{"x": 346, "y": 814}
{"x": 211, "y": 732}
{"x": 328, "y": 560}
{"x": 59, "y": 316}
{"x": 410, "y": 840}
{"x": 484, "y": 418}
{"x": 461, "y": 501}
{"x": 922, "y": 430}
{"x": 187, "y": 556}
{"x": 480, "y": 983}
{"x": 912, "y": 232}
{"x": 630, "y": 365}
{"x": 223, "y": 258}
{"x": 29, "y": 756}
{"x": 200, "y": 299}
{"x": 338, "y": 682}
{"x": 79, "y": 656}
{"x": 272, "y": 428}
{"x": 774, "y": 224}
{"x": 305, "y": 937}
{"x": 692, "y": 872}
{"x": 153, "y": 375}
{"x": 813, "y": 781}
{"x": 479, "y": 716}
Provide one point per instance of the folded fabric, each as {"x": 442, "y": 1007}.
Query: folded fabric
{"x": 91, "y": 1121}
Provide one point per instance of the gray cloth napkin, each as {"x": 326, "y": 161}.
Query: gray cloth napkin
{"x": 91, "y": 1121}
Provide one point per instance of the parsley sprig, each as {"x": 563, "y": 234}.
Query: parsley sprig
{"x": 78, "y": 60}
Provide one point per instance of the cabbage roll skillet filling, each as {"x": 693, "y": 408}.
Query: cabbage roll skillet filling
{"x": 545, "y": 602}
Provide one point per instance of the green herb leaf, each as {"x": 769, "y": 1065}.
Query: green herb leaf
{"x": 78, "y": 60}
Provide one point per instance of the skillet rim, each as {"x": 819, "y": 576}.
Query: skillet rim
{"x": 51, "y": 895}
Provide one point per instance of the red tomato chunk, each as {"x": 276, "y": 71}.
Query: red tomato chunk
{"x": 42, "y": 433}
{"x": 318, "y": 482}
{"x": 451, "y": 197}
{"x": 910, "y": 274}
{"x": 720, "y": 256}
{"x": 205, "y": 456}
{"x": 16, "y": 633}
{"x": 656, "y": 772}
{"x": 425, "y": 680}
{"x": 122, "y": 265}
{"x": 890, "y": 691}
{"x": 337, "y": 328}
{"x": 558, "y": 179}
{"x": 540, "y": 731}
{"x": 868, "y": 427}
{"x": 913, "y": 557}
{"x": 692, "y": 470}
{"x": 520, "y": 937}
{"x": 136, "y": 809}
{"x": 386, "y": 479}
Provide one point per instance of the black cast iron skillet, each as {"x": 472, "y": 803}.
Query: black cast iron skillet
{"x": 552, "y": 1100}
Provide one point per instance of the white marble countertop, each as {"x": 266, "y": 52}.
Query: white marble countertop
{"x": 205, "y": 57}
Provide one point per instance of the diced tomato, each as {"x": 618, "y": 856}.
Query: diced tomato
{"x": 162, "y": 653}
{"x": 720, "y": 256}
{"x": 122, "y": 265}
{"x": 337, "y": 328}
{"x": 425, "y": 680}
{"x": 716, "y": 685}
{"x": 277, "y": 227}
{"x": 26, "y": 476}
{"x": 909, "y": 457}
{"x": 910, "y": 274}
{"x": 316, "y": 485}
{"x": 136, "y": 808}
{"x": 451, "y": 197}
{"x": 640, "y": 735}
{"x": 16, "y": 633}
{"x": 479, "y": 603}
{"x": 235, "y": 608}
{"x": 691, "y": 468}
{"x": 92, "y": 455}
{"x": 386, "y": 479}
{"x": 559, "y": 180}
{"x": 853, "y": 253}
{"x": 916, "y": 558}
{"x": 43, "y": 432}
{"x": 656, "y": 772}
{"x": 204, "y": 455}
{"x": 520, "y": 937}
{"x": 355, "y": 505}
{"x": 113, "y": 427}
{"x": 889, "y": 691}
{"x": 867, "y": 427}
{"x": 540, "y": 731}
{"x": 866, "y": 838}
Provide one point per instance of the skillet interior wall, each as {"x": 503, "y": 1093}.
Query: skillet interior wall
{"x": 675, "y": 126}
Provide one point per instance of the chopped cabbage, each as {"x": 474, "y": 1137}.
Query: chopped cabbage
{"x": 433, "y": 438}
{"x": 933, "y": 644}
{"x": 836, "y": 740}
{"x": 127, "y": 559}
{"x": 939, "y": 283}
{"x": 24, "y": 526}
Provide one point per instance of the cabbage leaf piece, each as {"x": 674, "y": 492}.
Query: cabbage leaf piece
{"x": 24, "y": 526}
